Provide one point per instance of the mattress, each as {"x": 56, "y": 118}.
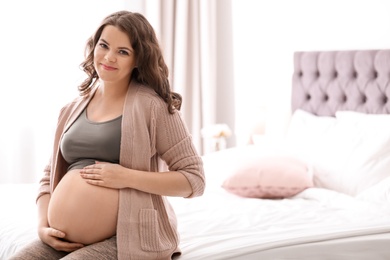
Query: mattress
{"x": 224, "y": 226}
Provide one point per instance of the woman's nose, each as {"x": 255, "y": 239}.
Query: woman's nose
{"x": 110, "y": 56}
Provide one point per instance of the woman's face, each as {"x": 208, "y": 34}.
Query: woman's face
{"x": 114, "y": 58}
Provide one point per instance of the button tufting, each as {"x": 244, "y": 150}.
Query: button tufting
{"x": 353, "y": 82}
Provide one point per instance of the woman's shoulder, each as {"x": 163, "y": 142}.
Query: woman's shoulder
{"x": 146, "y": 93}
{"x": 70, "y": 104}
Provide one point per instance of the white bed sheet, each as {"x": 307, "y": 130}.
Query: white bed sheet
{"x": 315, "y": 224}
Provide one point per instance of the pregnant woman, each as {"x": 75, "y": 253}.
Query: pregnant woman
{"x": 119, "y": 149}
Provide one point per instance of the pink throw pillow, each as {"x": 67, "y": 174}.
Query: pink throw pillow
{"x": 269, "y": 177}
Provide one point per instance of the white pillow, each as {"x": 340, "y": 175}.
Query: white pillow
{"x": 371, "y": 135}
{"x": 378, "y": 193}
{"x": 306, "y": 132}
{"x": 349, "y": 153}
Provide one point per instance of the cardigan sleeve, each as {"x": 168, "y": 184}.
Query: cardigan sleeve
{"x": 175, "y": 146}
{"x": 44, "y": 187}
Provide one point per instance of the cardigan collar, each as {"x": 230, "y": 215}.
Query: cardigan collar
{"x": 82, "y": 103}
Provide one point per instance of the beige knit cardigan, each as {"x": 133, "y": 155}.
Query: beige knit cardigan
{"x": 152, "y": 139}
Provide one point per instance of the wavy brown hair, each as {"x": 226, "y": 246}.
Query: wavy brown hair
{"x": 150, "y": 68}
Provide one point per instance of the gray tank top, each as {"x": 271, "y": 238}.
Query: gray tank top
{"x": 86, "y": 142}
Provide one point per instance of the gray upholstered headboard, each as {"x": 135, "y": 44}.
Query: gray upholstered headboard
{"x": 324, "y": 82}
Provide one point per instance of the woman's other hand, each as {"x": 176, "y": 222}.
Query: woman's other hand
{"x": 54, "y": 238}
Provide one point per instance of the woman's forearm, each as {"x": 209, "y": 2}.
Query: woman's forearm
{"x": 43, "y": 205}
{"x": 161, "y": 183}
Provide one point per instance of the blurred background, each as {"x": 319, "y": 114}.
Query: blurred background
{"x": 230, "y": 59}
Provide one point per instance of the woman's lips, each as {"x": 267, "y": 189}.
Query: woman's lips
{"x": 106, "y": 67}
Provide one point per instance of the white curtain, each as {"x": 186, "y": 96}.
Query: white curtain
{"x": 196, "y": 36}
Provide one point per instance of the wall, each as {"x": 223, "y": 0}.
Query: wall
{"x": 267, "y": 33}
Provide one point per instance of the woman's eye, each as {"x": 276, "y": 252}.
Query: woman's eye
{"x": 103, "y": 45}
{"x": 123, "y": 52}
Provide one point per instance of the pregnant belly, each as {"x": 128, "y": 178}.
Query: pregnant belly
{"x": 85, "y": 213}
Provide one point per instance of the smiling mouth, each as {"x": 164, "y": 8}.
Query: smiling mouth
{"x": 107, "y": 67}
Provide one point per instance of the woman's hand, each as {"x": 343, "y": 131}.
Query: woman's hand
{"x": 104, "y": 174}
{"x": 115, "y": 176}
{"x": 54, "y": 238}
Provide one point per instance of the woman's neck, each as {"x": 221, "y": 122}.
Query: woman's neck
{"x": 112, "y": 90}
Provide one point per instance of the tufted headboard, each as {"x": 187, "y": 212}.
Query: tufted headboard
{"x": 327, "y": 81}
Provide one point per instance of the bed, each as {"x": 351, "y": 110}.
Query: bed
{"x": 321, "y": 192}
